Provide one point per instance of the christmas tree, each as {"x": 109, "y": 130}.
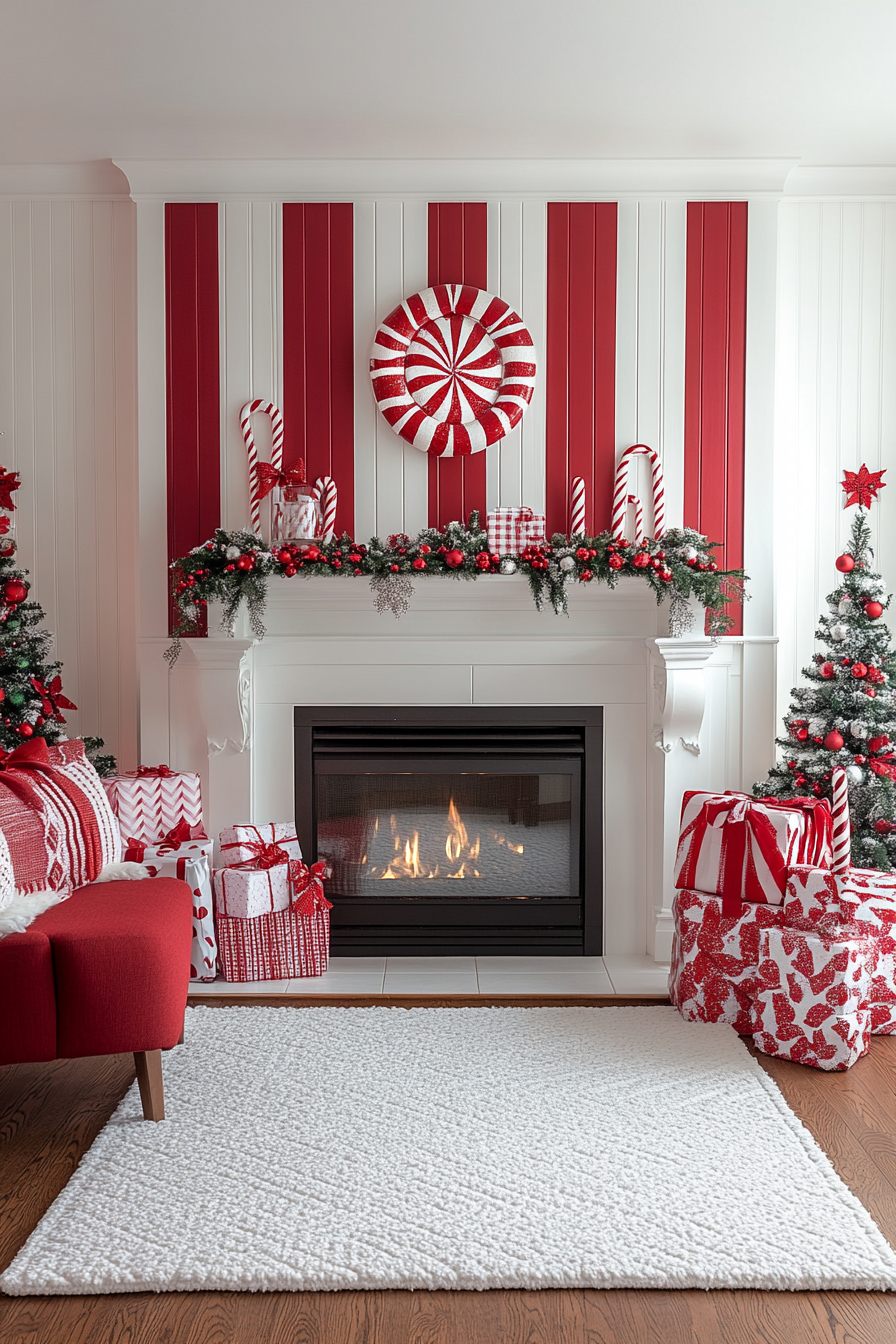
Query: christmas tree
{"x": 31, "y": 696}
{"x": 846, "y": 713}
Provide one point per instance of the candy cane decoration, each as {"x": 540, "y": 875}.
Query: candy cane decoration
{"x": 266, "y": 408}
{"x": 577, "y": 507}
{"x": 621, "y": 496}
{"x": 841, "y": 860}
{"x": 325, "y": 491}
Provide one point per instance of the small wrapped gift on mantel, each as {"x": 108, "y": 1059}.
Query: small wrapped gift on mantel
{"x": 740, "y": 848}
{"x": 510, "y": 530}
{"x": 151, "y": 801}
{"x": 283, "y": 943}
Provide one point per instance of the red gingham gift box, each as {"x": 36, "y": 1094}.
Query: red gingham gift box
{"x": 509, "y": 530}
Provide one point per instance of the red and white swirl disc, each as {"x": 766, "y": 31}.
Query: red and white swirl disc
{"x": 453, "y": 369}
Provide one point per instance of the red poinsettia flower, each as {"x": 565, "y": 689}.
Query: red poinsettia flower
{"x": 9, "y": 481}
{"x": 862, "y": 486}
{"x": 53, "y": 699}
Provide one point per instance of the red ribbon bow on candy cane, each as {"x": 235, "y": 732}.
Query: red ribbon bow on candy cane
{"x": 308, "y": 886}
{"x": 153, "y": 772}
{"x": 264, "y": 855}
{"x": 269, "y": 477}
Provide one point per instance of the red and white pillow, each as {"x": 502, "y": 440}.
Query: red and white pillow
{"x": 73, "y": 836}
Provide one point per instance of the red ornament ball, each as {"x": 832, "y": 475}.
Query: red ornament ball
{"x": 845, "y": 563}
{"x": 425, "y": 550}
{"x": 2, "y": 695}
{"x": 885, "y": 827}
{"x": 289, "y": 571}
{"x": 312, "y": 553}
{"x": 15, "y": 591}
{"x": 873, "y": 610}
{"x": 869, "y": 690}
{"x": 419, "y": 563}
{"x": 394, "y": 569}
{"x": 25, "y": 730}
{"x": 615, "y": 561}
{"x": 482, "y": 560}
{"x": 833, "y": 741}
{"x": 454, "y": 559}
{"x": 859, "y": 670}
{"x": 641, "y": 560}
{"x": 827, "y": 669}
{"x": 246, "y": 562}
{"x": 801, "y": 733}
{"x": 586, "y": 576}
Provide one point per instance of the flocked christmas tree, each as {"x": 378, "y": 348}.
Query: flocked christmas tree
{"x": 31, "y": 696}
{"x": 846, "y": 713}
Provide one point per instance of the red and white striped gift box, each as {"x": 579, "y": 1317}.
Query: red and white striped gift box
{"x": 285, "y": 945}
{"x": 740, "y": 848}
{"x": 509, "y": 530}
{"x": 151, "y": 802}
{"x": 814, "y": 998}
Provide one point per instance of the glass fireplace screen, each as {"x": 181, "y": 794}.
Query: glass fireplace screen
{"x": 454, "y": 835}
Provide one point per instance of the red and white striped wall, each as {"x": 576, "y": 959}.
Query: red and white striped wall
{"x": 638, "y": 310}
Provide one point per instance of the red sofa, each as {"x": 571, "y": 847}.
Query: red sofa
{"x": 105, "y": 972}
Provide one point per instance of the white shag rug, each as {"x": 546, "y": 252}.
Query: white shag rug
{"x": 334, "y": 1148}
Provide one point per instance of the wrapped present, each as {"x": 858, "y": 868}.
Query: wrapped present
{"x": 152, "y": 801}
{"x": 241, "y": 843}
{"x": 812, "y": 997}
{"x": 190, "y": 860}
{"x": 245, "y": 891}
{"x": 282, "y": 945}
{"x": 740, "y": 848}
{"x": 715, "y": 959}
{"x": 509, "y": 530}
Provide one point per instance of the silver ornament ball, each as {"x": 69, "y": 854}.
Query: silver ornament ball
{"x": 508, "y": 566}
{"x": 838, "y": 631}
{"x": 858, "y": 729}
{"x": 844, "y": 605}
{"x": 567, "y": 563}
{"x": 855, "y": 775}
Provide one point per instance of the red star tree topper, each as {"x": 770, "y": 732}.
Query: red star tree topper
{"x": 862, "y": 486}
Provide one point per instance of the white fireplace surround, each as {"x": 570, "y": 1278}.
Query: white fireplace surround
{"x": 678, "y": 713}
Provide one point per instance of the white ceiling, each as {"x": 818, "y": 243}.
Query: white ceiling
{"x": 182, "y": 79}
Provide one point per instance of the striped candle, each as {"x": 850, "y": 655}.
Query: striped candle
{"x": 577, "y": 507}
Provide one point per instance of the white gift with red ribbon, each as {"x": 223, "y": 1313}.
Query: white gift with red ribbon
{"x": 190, "y": 861}
{"x": 288, "y": 943}
{"x": 239, "y": 843}
{"x": 739, "y": 847}
{"x": 511, "y": 529}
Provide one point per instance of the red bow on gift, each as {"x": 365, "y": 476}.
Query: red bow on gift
{"x": 733, "y": 814}
{"x": 308, "y": 887}
{"x": 9, "y": 481}
{"x": 269, "y": 476}
{"x": 53, "y": 699}
{"x": 153, "y": 772}
{"x": 264, "y": 855}
{"x": 180, "y": 834}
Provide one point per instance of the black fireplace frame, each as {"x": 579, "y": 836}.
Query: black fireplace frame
{"x": 572, "y": 933}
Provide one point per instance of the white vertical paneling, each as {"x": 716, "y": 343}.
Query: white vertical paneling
{"x": 835, "y": 408}
{"x": 251, "y": 338}
{"x": 534, "y": 314}
{"x": 67, "y": 411}
{"x": 650, "y": 308}
{"x": 759, "y": 417}
{"x": 415, "y": 263}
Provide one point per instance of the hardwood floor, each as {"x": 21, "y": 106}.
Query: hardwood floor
{"x": 50, "y": 1114}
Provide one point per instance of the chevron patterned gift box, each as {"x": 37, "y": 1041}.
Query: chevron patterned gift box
{"x": 151, "y": 801}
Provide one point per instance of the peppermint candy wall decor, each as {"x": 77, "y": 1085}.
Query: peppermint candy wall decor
{"x": 452, "y": 369}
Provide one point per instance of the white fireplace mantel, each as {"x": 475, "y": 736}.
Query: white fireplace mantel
{"x": 678, "y": 713}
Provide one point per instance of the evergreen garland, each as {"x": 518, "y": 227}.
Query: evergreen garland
{"x": 234, "y": 567}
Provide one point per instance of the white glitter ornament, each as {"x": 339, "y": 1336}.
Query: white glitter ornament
{"x": 508, "y": 566}
{"x": 844, "y": 605}
{"x": 858, "y": 729}
{"x": 567, "y": 563}
{"x": 690, "y": 553}
{"x": 233, "y": 552}
{"x": 816, "y": 727}
{"x": 855, "y": 775}
{"x": 838, "y": 631}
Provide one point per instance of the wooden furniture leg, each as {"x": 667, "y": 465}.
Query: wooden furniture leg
{"x": 149, "y": 1079}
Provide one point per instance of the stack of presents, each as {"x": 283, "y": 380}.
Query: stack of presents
{"x": 262, "y": 915}
{"x": 776, "y": 934}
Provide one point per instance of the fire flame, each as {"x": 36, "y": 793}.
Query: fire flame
{"x": 462, "y": 853}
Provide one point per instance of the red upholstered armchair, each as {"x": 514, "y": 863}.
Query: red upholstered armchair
{"x": 105, "y": 972}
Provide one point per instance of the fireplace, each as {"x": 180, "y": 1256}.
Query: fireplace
{"x": 460, "y": 831}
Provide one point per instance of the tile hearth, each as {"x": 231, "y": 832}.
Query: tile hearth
{"x": 467, "y": 975}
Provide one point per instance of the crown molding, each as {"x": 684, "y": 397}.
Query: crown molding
{"x": 357, "y": 179}
{"x": 839, "y": 181}
{"x": 96, "y": 180}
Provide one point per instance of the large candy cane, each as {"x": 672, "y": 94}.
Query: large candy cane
{"x": 621, "y": 495}
{"x": 577, "y": 507}
{"x": 266, "y": 408}
{"x": 841, "y": 860}
{"x": 325, "y": 490}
